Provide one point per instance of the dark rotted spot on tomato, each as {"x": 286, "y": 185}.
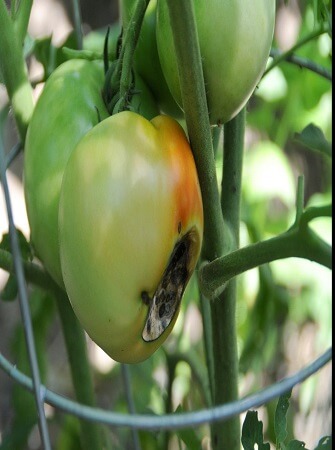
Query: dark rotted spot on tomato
{"x": 167, "y": 297}
{"x": 149, "y": 326}
{"x": 161, "y": 311}
{"x": 145, "y": 298}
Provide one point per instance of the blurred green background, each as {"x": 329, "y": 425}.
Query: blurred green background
{"x": 284, "y": 309}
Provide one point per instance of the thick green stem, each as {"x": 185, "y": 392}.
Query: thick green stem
{"x": 22, "y": 19}
{"x": 77, "y": 24}
{"x": 217, "y": 235}
{"x": 14, "y": 72}
{"x": 74, "y": 336}
{"x": 91, "y": 433}
{"x": 197, "y": 120}
{"x": 232, "y": 177}
{"x": 223, "y": 310}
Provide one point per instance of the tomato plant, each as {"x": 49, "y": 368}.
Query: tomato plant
{"x": 70, "y": 105}
{"x": 234, "y": 38}
{"x": 130, "y": 232}
{"x": 130, "y": 227}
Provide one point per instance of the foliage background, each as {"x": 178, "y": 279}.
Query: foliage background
{"x": 283, "y": 310}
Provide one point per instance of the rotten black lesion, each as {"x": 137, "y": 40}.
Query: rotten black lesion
{"x": 166, "y": 300}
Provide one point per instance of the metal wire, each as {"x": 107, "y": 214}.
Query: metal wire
{"x": 175, "y": 420}
{"x": 24, "y": 307}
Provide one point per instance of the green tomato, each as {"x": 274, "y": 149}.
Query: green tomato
{"x": 69, "y": 106}
{"x": 146, "y": 59}
{"x": 235, "y": 39}
{"x": 130, "y": 228}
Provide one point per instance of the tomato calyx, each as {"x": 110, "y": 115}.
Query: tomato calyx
{"x": 167, "y": 297}
{"x": 111, "y": 91}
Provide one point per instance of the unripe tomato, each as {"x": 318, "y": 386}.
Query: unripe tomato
{"x": 70, "y": 104}
{"x": 235, "y": 39}
{"x": 130, "y": 227}
{"x": 146, "y": 59}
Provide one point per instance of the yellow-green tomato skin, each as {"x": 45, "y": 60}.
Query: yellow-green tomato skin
{"x": 235, "y": 39}
{"x": 70, "y": 105}
{"x": 130, "y": 192}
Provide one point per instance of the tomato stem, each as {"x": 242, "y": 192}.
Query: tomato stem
{"x": 220, "y": 236}
{"x": 197, "y": 120}
{"x": 21, "y": 19}
{"x": 223, "y": 310}
{"x": 298, "y": 242}
{"x": 120, "y": 78}
{"x": 77, "y": 24}
{"x": 75, "y": 341}
{"x": 309, "y": 37}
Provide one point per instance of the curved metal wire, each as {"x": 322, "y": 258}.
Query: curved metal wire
{"x": 134, "y": 421}
{"x": 175, "y": 420}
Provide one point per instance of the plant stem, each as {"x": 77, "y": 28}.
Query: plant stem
{"x": 127, "y": 52}
{"x": 32, "y": 271}
{"x": 125, "y": 369}
{"x": 74, "y": 336}
{"x": 197, "y": 120}
{"x": 22, "y": 19}
{"x": 14, "y": 72}
{"x": 299, "y": 243}
{"x": 217, "y": 235}
{"x": 77, "y": 24}
{"x": 302, "y": 62}
{"x": 285, "y": 55}
{"x": 227, "y": 435}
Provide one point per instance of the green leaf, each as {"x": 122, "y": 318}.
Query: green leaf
{"x": 252, "y": 432}
{"x": 188, "y": 436}
{"x": 313, "y": 138}
{"x": 25, "y": 248}
{"x": 9, "y": 292}
{"x": 325, "y": 443}
{"x": 50, "y": 56}
{"x": 280, "y": 418}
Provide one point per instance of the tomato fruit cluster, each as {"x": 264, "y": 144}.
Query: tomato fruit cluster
{"x": 113, "y": 199}
{"x": 126, "y": 235}
{"x": 70, "y": 105}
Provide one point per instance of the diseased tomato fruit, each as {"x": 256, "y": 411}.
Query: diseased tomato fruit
{"x": 235, "y": 39}
{"x": 70, "y": 104}
{"x": 130, "y": 228}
